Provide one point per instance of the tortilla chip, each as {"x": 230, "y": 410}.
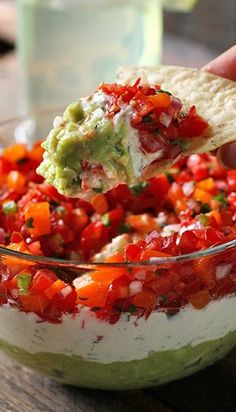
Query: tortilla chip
{"x": 213, "y": 96}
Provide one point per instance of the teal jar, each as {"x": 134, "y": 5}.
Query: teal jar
{"x": 68, "y": 47}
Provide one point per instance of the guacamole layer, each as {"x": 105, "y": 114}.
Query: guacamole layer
{"x": 85, "y": 135}
{"x": 156, "y": 369}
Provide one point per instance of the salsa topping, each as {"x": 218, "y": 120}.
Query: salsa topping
{"x": 114, "y": 135}
{"x": 190, "y": 208}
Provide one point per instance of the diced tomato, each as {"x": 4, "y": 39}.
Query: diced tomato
{"x": 35, "y": 248}
{"x": 225, "y": 286}
{"x": 42, "y": 280}
{"x": 160, "y": 285}
{"x": 79, "y": 219}
{"x": 3, "y": 294}
{"x": 231, "y": 180}
{"x": 93, "y": 238}
{"x": 119, "y": 290}
{"x": 133, "y": 252}
{"x": 145, "y": 299}
{"x": 175, "y": 193}
{"x": 5, "y": 166}
{"x": 65, "y": 299}
{"x": 100, "y": 204}
{"x": 16, "y": 181}
{"x": 192, "y": 125}
{"x": 115, "y": 220}
{"x": 151, "y": 143}
{"x": 200, "y": 299}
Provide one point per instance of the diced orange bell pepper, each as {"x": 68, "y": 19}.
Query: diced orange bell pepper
{"x": 15, "y": 152}
{"x": 117, "y": 257}
{"x": 36, "y": 153}
{"x": 92, "y": 293}
{"x": 143, "y": 223}
{"x": 202, "y": 195}
{"x": 16, "y": 181}
{"x": 200, "y": 299}
{"x": 34, "y": 303}
{"x": 160, "y": 100}
{"x": 107, "y": 274}
{"x": 205, "y": 269}
{"x": 99, "y": 203}
{"x": 110, "y": 274}
{"x": 37, "y": 216}
{"x": 207, "y": 184}
{"x": 54, "y": 288}
{"x": 149, "y": 253}
{"x": 12, "y": 262}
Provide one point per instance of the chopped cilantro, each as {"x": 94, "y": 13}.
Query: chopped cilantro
{"x": 22, "y": 161}
{"x": 132, "y": 308}
{"x": 164, "y": 299}
{"x": 9, "y": 208}
{"x": 97, "y": 189}
{"x": 158, "y": 272}
{"x": 23, "y": 282}
{"x": 76, "y": 181}
{"x": 106, "y": 219}
{"x": 61, "y": 210}
{"x": 29, "y": 223}
{"x": 95, "y": 308}
{"x": 163, "y": 91}
{"x": 221, "y": 198}
{"x": 82, "y": 298}
{"x": 205, "y": 208}
{"x": 182, "y": 143}
{"x": 124, "y": 228}
{"x": 53, "y": 203}
{"x": 169, "y": 176}
{"x": 147, "y": 118}
{"x": 138, "y": 188}
{"x": 119, "y": 148}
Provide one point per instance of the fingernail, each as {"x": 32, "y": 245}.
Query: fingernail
{"x": 227, "y": 155}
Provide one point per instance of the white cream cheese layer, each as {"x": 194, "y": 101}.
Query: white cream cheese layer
{"x": 128, "y": 339}
{"x": 139, "y": 159}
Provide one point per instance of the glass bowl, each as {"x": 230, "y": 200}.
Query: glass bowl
{"x": 125, "y": 350}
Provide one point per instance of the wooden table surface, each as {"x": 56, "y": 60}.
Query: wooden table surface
{"x": 21, "y": 390}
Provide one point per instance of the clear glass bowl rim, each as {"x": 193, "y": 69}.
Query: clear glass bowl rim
{"x": 51, "y": 261}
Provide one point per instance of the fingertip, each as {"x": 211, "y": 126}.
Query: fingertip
{"x": 227, "y": 155}
{"x": 224, "y": 65}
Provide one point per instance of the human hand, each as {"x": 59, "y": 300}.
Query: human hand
{"x": 225, "y": 66}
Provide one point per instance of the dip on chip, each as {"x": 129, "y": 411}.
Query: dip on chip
{"x": 128, "y": 131}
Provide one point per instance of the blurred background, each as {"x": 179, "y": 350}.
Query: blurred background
{"x": 53, "y": 51}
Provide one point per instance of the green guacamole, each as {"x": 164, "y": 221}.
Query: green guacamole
{"x": 156, "y": 369}
{"x": 85, "y": 135}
